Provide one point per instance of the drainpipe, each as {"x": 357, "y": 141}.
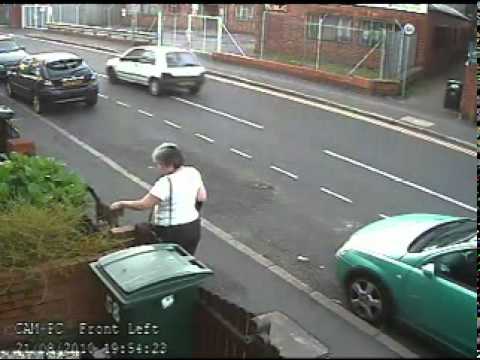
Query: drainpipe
{"x": 319, "y": 39}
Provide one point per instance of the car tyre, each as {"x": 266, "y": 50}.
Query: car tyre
{"x": 154, "y": 87}
{"x": 112, "y": 75}
{"x": 9, "y": 90}
{"x": 38, "y": 105}
{"x": 368, "y": 298}
{"x": 92, "y": 101}
{"x": 194, "y": 90}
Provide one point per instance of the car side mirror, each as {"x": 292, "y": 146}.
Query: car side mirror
{"x": 428, "y": 270}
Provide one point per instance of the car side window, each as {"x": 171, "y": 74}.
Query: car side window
{"x": 150, "y": 55}
{"x": 459, "y": 267}
{"x": 136, "y": 53}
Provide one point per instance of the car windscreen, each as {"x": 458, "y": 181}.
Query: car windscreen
{"x": 454, "y": 232}
{"x": 181, "y": 59}
{"x": 66, "y": 68}
{"x": 8, "y": 46}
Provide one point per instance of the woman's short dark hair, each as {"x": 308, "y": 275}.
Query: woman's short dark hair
{"x": 168, "y": 154}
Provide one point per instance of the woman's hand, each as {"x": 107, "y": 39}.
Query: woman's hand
{"x": 117, "y": 206}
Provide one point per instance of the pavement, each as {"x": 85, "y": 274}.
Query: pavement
{"x": 241, "y": 275}
{"x": 421, "y": 110}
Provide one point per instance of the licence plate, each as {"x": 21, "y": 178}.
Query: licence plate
{"x": 72, "y": 83}
{"x": 186, "y": 83}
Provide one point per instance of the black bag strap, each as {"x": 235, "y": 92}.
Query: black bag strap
{"x": 170, "y": 202}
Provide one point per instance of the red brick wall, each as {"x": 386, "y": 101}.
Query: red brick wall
{"x": 468, "y": 105}
{"x": 437, "y": 58}
{"x": 240, "y": 26}
{"x": 16, "y": 16}
{"x": 286, "y": 32}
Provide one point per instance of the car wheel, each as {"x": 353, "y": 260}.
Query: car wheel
{"x": 368, "y": 298}
{"x": 154, "y": 87}
{"x": 194, "y": 90}
{"x": 112, "y": 75}
{"x": 37, "y": 105}
{"x": 9, "y": 90}
{"x": 92, "y": 101}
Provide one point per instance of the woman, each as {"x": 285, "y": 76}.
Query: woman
{"x": 175, "y": 196}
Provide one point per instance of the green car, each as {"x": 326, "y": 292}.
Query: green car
{"x": 420, "y": 269}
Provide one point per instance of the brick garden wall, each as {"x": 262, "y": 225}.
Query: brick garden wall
{"x": 468, "y": 106}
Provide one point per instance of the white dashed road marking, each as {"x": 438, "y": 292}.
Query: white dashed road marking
{"x": 122, "y": 104}
{"x": 289, "y": 174}
{"x": 170, "y": 123}
{"x": 241, "y": 153}
{"x": 145, "y": 113}
{"x": 103, "y": 76}
{"x": 397, "y": 179}
{"x": 218, "y": 112}
{"x": 203, "y": 137}
{"x": 325, "y": 190}
{"x": 103, "y": 96}
{"x": 417, "y": 121}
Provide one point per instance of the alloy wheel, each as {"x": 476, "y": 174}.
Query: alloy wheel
{"x": 366, "y": 300}
{"x": 154, "y": 87}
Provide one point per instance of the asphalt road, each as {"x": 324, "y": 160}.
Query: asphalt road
{"x": 284, "y": 178}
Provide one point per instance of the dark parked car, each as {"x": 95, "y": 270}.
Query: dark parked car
{"x": 53, "y": 78}
{"x": 10, "y": 54}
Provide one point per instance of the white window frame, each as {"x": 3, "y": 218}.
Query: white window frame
{"x": 245, "y": 12}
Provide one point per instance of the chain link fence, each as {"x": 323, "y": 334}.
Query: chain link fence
{"x": 337, "y": 45}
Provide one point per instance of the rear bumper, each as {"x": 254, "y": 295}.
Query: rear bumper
{"x": 183, "y": 82}
{"x": 60, "y": 96}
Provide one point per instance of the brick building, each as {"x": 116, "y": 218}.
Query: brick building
{"x": 442, "y": 33}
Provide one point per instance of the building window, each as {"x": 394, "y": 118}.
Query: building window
{"x": 372, "y": 31}
{"x": 244, "y": 12}
{"x": 344, "y": 32}
{"x": 334, "y": 28}
{"x": 173, "y": 8}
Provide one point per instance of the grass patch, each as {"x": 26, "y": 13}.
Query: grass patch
{"x": 330, "y": 67}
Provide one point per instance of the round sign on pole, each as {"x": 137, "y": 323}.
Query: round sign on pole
{"x": 409, "y": 29}
{"x": 124, "y": 12}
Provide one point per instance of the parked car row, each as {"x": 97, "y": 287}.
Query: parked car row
{"x": 52, "y": 78}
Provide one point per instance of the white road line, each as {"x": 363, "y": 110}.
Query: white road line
{"x": 347, "y": 113}
{"x": 397, "y": 179}
{"x": 383, "y": 216}
{"x": 169, "y": 123}
{"x": 206, "y": 138}
{"x": 289, "y": 174}
{"x": 122, "y": 104}
{"x": 241, "y": 153}
{"x": 145, "y": 113}
{"x": 103, "y": 76}
{"x": 218, "y": 112}
{"x": 325, "y": 190}
{"x": 103, "y": 96}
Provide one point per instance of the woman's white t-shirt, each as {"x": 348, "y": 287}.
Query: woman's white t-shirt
{"x": 186, "y": 182}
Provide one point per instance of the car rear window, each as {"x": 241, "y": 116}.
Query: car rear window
{"x": 67, "y": 67}
{"x": 8, "y": 45}
{"x": 180, "y": 59}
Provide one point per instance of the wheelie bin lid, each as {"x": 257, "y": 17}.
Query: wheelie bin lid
{"x": 139, "y": 272}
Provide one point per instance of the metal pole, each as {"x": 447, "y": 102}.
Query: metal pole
{"x": 175, "y": 29}
{"x": 405, "y": 72}
{"x": 189, "y": 31}
{"x": 382, "y": 60}
{"x": 262, "y": 40}
{"x": 319, "y": 38}
{"x": 400, "y": 57}
{"x": 204, "y": 33}
{"x": 159, "y": 29}
{"x": 219, "y": 34}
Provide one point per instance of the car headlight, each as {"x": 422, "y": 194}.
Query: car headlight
{"x": 341, "y": 252}
{"x": 116, "y": 312}
{"x": 93, "y": 79}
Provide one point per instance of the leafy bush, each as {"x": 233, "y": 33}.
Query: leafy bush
{"x": 40, "y": 181}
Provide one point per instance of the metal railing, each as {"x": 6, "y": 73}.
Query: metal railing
{"x": 108, "y": 33}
